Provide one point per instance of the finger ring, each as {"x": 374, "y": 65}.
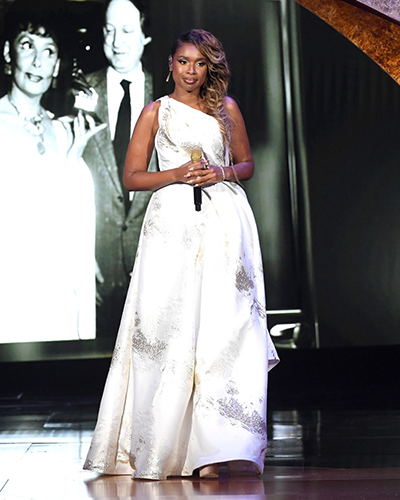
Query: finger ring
{"x": 205, "y": 166}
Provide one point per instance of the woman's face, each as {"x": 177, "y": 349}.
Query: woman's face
{"x": 189, "y": 68}
{"x": 34, "y": 61}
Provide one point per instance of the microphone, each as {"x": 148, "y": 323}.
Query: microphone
{"x": 196, "y": 155}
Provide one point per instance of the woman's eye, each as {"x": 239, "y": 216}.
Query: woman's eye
{"x": 201, "y": 64}
{"x": 26, "y": 45}
{"x": 50, "y": 52}
{"x": 182, "y": 61}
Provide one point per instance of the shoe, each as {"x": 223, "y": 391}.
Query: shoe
{"x": 209, "y": 471}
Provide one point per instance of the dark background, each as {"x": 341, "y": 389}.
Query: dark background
{"x": 352, "y": 119}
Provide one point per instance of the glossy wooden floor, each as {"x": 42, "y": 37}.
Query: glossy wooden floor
{"x": 327, "y": 448}
{"x": 312, "y": 455}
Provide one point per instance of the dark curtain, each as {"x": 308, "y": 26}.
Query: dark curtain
{"x": 352, "y": 122}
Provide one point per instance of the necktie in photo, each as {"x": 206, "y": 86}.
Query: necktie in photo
{"x": 122, "y": 137}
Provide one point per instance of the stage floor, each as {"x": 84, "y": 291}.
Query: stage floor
{"x": 324, "y": 454}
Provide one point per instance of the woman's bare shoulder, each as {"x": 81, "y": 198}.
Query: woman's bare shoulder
{"x": 151, "y": 110}
{"x": 149, "y": 117}
{"x": 231, "y": 105}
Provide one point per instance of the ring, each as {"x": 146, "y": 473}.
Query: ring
{"x": 205, "y": 166}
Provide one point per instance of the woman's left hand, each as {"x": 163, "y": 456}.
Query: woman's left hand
{"x": 82, "y": 127}
{"x": 202, "y": 174}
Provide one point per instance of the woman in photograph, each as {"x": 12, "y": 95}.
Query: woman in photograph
{"x": 187, "y": 387}
{"x": 46, "y": 196}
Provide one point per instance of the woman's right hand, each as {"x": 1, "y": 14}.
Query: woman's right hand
{"x": 190, "y": 169}
{"x": 82, "y": 128}
{"x": 202, "y": 174}
{"x": 183, "y": 171}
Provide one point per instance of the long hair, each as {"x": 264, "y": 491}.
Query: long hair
{"x": 215, "y": 87}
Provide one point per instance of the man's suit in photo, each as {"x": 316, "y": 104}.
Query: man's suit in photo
{"x": 117, "y": 232}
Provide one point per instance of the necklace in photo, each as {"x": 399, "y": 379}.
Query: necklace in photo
{"x": 33, "y": 126}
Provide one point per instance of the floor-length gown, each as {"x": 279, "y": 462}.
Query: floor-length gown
{"x": 188, "y": 380}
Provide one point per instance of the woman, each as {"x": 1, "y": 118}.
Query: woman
{"x": 187, "y": 386}
{"x": 46, "y": 197}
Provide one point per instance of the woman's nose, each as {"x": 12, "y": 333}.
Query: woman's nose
{"x": 191, "y": 68}
{"x": 36, "y": 60}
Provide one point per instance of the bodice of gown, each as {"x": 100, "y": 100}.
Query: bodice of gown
{"x": 182, "y": 128}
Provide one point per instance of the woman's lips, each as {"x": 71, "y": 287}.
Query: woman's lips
{"x": 34, "y": 78}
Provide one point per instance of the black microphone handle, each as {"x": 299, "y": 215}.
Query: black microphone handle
{"x": 197, "y": 198}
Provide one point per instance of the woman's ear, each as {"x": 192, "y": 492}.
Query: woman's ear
{"x": 56, "y": 69}
{"x": 170, "y": 62}
{"x": 7, "y": 52}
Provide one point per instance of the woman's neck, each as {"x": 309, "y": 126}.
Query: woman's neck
{"x": 27, "y": 106}
{"x": 191, "y": 99}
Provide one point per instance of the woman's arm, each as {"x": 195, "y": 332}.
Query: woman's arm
{"x": 242, "y": 158}
{"x": 243, "y": 163}
{"x": 136, "y": 176}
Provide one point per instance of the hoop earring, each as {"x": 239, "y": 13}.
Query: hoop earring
{"x": 169, "y": 75}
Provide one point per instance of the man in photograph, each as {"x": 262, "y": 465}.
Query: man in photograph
{"x": 123, "y": 88}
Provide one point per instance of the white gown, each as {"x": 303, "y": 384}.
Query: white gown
{"x": 188, "y": 380}
{"x": 47, "y": 220}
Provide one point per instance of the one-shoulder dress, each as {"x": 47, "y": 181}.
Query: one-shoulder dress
{"x": 187, "y": 384}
